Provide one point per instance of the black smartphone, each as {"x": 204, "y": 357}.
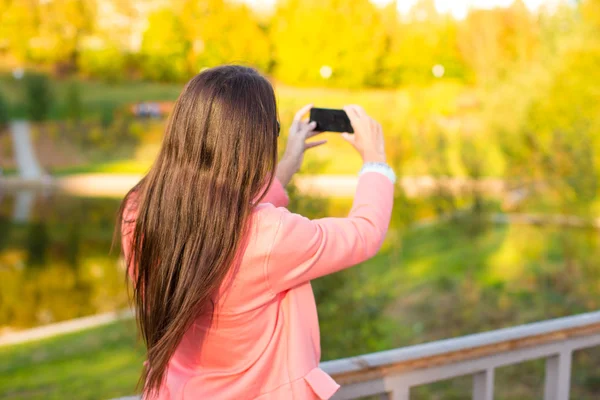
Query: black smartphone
{"x": 330, "y": 120}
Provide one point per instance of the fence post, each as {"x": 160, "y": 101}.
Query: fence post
{"x": 558, "y": 376}
{"x": 483, "y": 385}
{"x": 401, "y": 393}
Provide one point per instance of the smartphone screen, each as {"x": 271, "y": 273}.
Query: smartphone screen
{"x": 330, "y": 120}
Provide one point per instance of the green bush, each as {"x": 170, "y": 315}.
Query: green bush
{"x": 38, "y": 95}
{"x": 108, "y": 64}
{"x": 73, "y": 103}
{"x": 107, "y": 116}
{"x": 4, "y": 112}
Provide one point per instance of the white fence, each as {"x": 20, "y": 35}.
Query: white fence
{"x": 392, "y": 373}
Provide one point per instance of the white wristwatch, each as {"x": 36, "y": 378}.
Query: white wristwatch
{"x": 380, "y": 168}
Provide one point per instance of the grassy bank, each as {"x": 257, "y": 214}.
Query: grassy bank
{"x": 99, "y": 363}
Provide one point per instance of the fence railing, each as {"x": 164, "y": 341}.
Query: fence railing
{"x": 391, "y": 374}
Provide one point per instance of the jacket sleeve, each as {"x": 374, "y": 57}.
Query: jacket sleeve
{"x": 306, "y": 249}
{"x": 276, "y": 195}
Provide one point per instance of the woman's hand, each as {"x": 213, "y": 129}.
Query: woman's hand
{"x": 368, "y": 135}
{"x": 297, "y": 144}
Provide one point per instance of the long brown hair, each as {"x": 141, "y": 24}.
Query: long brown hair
{"x": 216, "y": 161}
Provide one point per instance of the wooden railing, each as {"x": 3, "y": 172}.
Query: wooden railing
{"x": 391, "y": 374}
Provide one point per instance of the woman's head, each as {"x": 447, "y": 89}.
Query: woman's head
{"x": 217, "y": 159}
{"x": 225, "y": 123}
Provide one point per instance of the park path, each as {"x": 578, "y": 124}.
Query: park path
{"x": 64, "y": 327}
{"x": 118, "y": 185}
{"x": 337, "y": 186}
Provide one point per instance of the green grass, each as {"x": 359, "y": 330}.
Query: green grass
{"x": 99, "y": 363}
{"x": 97, "y": 97}
{"x": 409, "y": 117}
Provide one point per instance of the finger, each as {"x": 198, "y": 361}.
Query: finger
{"x": 364, "y": 118}
{"x": 314, "y": 144}
{"x": 373, "y": 124}
{"x": 361, "y": 111}
{"x": 348, "y": 138}
{"x": 352, "y": 109}
{"x": 302, "y": 112}
{"x": 308, "y": 128}
{"x": 352, "y": 116}
{"x": 355, "y": 109}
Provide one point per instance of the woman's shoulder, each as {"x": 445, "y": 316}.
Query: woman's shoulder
{"x": 269, "y": 210}
{"x": 280, "y": 227}
{"x": 271, "y": 215}
{"x": 274, "y": 223}
{"x": 267, "y": 215}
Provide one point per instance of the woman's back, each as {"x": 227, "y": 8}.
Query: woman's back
{"x": 257, "y": 334}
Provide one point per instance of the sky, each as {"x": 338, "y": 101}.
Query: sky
{"x": 458, "y": 8}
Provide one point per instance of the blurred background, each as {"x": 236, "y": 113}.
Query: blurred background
{"x": 491, "y": 110}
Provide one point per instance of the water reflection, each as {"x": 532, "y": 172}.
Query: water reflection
{"x": 55, "y": 261}
{"x": 23, "y": 205}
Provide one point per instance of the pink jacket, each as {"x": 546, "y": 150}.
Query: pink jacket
{"x": 264, "y": 340}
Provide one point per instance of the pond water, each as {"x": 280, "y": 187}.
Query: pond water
{"x": 55, "y": 259}
{"x": 429, "y": 282}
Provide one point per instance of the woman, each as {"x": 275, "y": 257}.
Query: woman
{"x": 221, "y": 270}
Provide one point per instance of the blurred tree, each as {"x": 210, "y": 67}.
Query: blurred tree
{"x": 47, "y": 32}
{"x": 556, "y": 23}
{"x": 591, "y": 13}
{"x": 18, "y": 25}
{"x": 433, "y": 144}
{"x": 121, "y": 22}
{"x": 164, "y": 48}
{"x": 494, "y": 42}
{"x": 416, "y": 44}
{"x": 223, "y": 32}
{"x": 558, "y": 139}
{"x": 108, "y": 63}
{"x": 472, "y": 157}
{"x": 110, "y": 50}
{"x": 69, "y": 21}
{"x": 319, "y": 41}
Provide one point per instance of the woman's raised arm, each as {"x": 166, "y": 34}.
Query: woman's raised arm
{"x": 304, "y": 250}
